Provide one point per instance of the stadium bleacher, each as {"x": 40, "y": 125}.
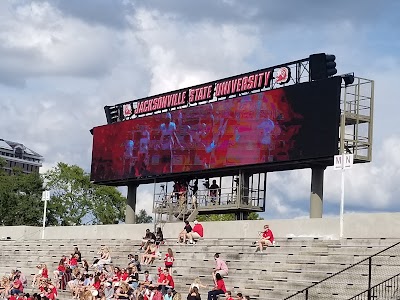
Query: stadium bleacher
{"x": 280, "y": 271}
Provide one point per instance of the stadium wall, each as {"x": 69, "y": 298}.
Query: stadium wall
{"x": 357, "y": 225}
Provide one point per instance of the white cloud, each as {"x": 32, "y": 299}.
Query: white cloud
{"x": 58, "y": 70}
{"x": 37, "y": 40}
{"x": 182, "y": 54}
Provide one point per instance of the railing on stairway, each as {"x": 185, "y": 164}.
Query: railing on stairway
{"x": 355, "y": 279}
{"x": 388, "y": 289}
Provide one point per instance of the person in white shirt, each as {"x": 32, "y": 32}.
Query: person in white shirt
{"x": 167, "y": 142}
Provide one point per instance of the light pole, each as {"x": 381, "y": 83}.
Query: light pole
{"x": 45, "y": 198}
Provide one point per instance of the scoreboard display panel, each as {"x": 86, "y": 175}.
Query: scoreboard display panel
{"x": 290, "y": 124}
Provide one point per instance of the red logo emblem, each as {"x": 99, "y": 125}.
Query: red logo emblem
{"x": 282, "y": 75}
{"x": 127, "y": 110}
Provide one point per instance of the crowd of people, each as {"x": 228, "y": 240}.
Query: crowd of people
{"x": 105, "y": 281}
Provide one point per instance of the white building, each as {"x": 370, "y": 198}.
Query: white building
{"x": 17, "y": 155}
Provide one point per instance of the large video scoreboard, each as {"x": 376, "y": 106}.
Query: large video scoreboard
{"x": 288, "y": 125}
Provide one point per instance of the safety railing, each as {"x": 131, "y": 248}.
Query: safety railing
{"x": 388, "y": 289}
{"x": 357, "y": 278}
{"x": 210, "y": 197}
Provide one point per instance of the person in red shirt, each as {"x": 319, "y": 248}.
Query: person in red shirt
{"x": 17, "y": 286}
{"x": 97, "y": 283}
{"x": 161, "y": 276}
{"x": 73, "y": 262}
{"x": 124, "y": 275}
{"x": 228, "y": 296}
{"x": 218, "y": 289}
{"x": 168, "y": 280}
{"x": 60, "y": 271}
{"x": 196, "y": 233}
{"x": 169, "y": 260}
{"x": 45, "y": 271}
{"x": 267, "y": 239}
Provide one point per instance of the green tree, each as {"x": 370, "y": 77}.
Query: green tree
{"x": 227, "y": 217}
{"x": 20, "y": 198}
{"x": 143, "y": 217}
{"x": 76, "y": 201}
{"x": 254, "y": 216}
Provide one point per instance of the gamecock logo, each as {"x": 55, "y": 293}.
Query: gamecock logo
{"x": 282, "y": 75}
{"x": 127, "y": 110}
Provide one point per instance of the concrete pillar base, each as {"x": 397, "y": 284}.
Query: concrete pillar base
{"x": 130, "y": 213}
{"x": 317, "y": 192}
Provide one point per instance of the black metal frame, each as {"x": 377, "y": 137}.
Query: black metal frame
{"x": 369, "y": 290}
{"x": 388, "y": 289}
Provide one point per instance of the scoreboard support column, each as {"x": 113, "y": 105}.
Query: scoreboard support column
{"x": 130, "y": 213}
{"x": 317, "y": 191}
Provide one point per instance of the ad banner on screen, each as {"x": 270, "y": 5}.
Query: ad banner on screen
{"x": 291, "y": 124}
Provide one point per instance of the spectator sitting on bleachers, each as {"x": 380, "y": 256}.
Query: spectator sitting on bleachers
{"x": 221, "y": 268}
{"x": 267, "y": 239}
{"x": 105, "y": 257}
{"x": 149, "y": 254}
{"x": 4, "y": 286}
{"x": 148, "y": 279}
{"x": 122, "y": 291}
{"x": 108, "y": 291}
{"x": 116, "y": 276}
{"x": 239, "y": 296}
{"x": 73, "y": 261}
{"x": 17, "y": 286}
{"x": 149, "y": 236}
{"x": 194, "y": 294}
{"x": 134, "y": 261}
{"x": 133, "y": 279}
{"x": 159, "y": 236}
{"x": 75, "y": 282}
{"x": 168, "y": 295}
{"x": 77, "y": 252}
{"x": 85, "y": 265}
{"x": 196, "y": 233}
{"x": 197, "y": 283}
{"x": 228, "y": 296}
{"x": 218, "y": 289}
{"x": 124, "y": 274}
{"x": 65, "y": 278}
{"x": 42, "y": 273}
{"x": 22, "y": 277}
{"x": 186, "y": 230}
{"x": 57, "y": 274}
{"x": 167, "y": 282}
{"x": 49, "y": 290}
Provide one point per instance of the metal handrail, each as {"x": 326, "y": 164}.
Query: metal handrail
{"x": 369, "y": 258}
{"x": 375, "y": 286}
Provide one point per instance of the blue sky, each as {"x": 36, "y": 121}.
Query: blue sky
{"x": 62, "y": 61}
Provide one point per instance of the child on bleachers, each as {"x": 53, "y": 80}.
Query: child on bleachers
{"x": 194, "y": 294}
{"x": 228, "y": 295}
{"x": 239, "y": 296}
{"x": 169, "y": 260}
{"x": 197, "y": 283}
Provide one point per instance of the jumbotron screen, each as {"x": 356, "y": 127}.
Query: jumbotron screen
{"x": 289, "y": 124}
